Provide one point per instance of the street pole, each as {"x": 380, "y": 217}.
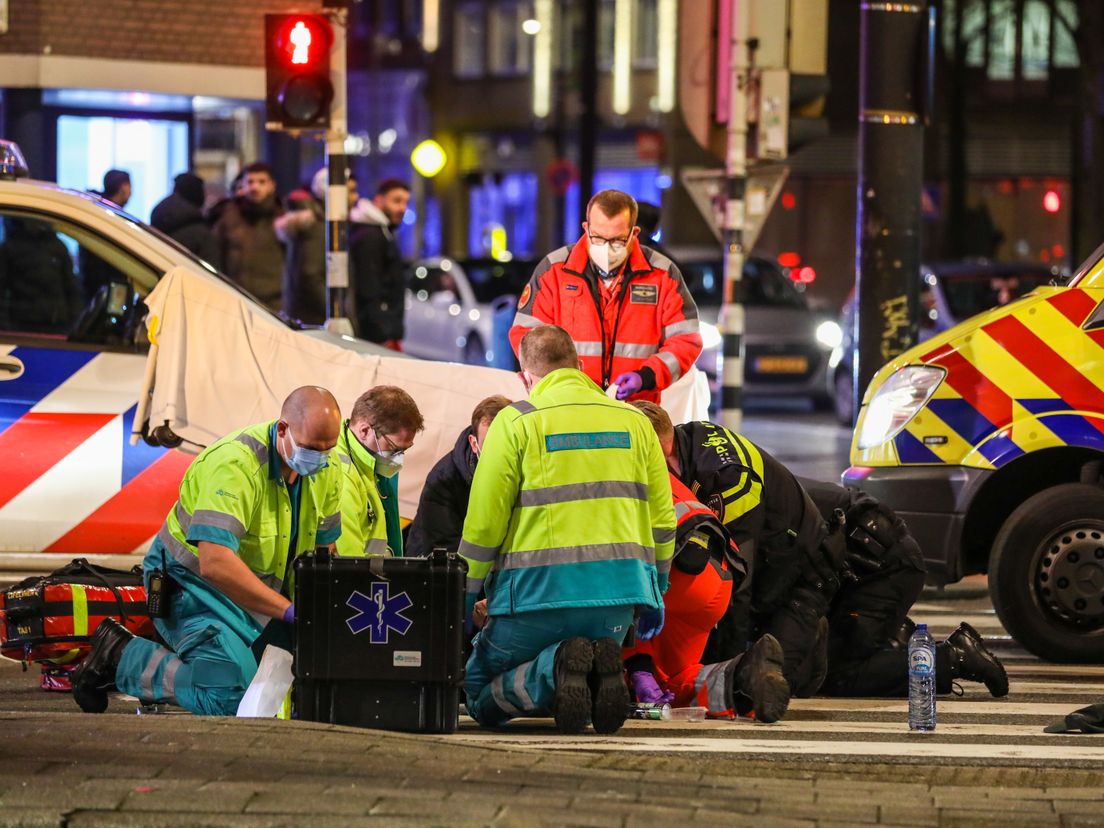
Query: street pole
{"x": 890, "y": 185}
{"x": 337, "y": 193}
{"x": 732, "y": 310}
{"x": 588, "y": 95}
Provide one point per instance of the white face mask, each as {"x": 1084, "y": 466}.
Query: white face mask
{"x": 607, "y": 260}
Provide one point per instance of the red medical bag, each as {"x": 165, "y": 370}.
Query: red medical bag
{"x": 50, "y": 618}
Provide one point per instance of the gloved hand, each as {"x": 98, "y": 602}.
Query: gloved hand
{"x": 646, "y": 689}
{"x": 628, "y": 384}
{"x": 289, "y": 614}
{"x": 649, "y": 624}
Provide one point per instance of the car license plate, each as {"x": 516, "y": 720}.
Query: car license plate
{"x": 781, "y": 364}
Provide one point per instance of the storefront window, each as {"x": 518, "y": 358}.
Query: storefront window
{"x": 1065, "y": 23}
{"x": 152, "y": 151}
{"x": 505, "y": 201}
{"x": 469, "y": 27}
{"x": 510, "y": 49}
{"x": 1035, "y": 32}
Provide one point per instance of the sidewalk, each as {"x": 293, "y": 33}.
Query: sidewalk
{"x": 63, "y": 768}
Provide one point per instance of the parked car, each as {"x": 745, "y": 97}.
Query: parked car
{"x": 73, "y": 363}
{"x": 787, "y": 344}
{"x": 451, "y": 306}
{"x": 949, "y": 293}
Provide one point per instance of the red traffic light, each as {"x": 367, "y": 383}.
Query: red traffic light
{"x": 297, "y": 71}
{"x": 302, "y": 40}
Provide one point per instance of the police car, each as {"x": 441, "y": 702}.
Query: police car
{"x": 988, "y": 439}
{"x": 74, "y": 271}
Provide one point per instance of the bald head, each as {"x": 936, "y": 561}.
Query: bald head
{"x": 547, "y": 349}
{"x": 313, "y": 417}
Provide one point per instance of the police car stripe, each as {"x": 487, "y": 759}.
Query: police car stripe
{"x": 44, "y": 369}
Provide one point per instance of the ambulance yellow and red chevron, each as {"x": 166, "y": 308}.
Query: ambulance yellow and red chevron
{"x": 72, "y": 482}
{"x": 1023, "y": 378}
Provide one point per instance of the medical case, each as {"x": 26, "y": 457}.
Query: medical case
{"x": 378, "y": 641}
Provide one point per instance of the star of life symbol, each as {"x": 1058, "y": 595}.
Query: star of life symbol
{"x": 379, "y": 613}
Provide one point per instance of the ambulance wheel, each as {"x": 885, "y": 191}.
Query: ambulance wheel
{"x": 1046, "y": 574}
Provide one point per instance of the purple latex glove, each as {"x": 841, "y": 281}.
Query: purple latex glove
{"x": 289, "y": 614}
{"x": 628, "y": 384}
{"x": 647, "y": 690}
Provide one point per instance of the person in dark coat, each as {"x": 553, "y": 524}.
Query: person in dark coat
{"x": 180, "y": 216}
{"x": 250, "y": 253}
{"x": 38, "y": 289}
{"x": 444, "y": 502}
{"x": 376, "y": 266}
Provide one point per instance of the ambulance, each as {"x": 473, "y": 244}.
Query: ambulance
{"x": 988, "y": 439}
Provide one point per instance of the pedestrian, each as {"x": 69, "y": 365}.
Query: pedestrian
{"x": 868, "y": 624}
{"x": 443, "y": 505}
{"x": 668, "y": 669}
{"x": 647, "y": 219}
{"x": 302, "y": 229}
{"x": 570, "y": 532}
{"x": 627, "y": 307}
{"x": 794, "y": 556}
{"x": 180, "y": 216}
{"x": 251, "y": 254}
{"x": 376, "y": 265}
{"x": 381, "y": 428}
{"x": 249, "y": 504}
{"x": 116, "y": 187}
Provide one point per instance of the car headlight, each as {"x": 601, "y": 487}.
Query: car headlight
{"x": 896, "y": 402}
{"x": 829, "y": 334}
{"x": 711, "y": 336}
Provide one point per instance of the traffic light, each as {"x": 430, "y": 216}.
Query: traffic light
{"x": 298, "y": 91}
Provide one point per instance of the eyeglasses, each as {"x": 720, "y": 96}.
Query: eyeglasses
{"x": 616, "y": 245}
{"x": 391, "y": 445}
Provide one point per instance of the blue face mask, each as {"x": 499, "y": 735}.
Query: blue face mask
{"x": 306, "y": 461}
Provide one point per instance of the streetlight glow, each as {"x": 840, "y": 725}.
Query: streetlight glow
{"x": 622, "y": 56}
{"x": 428, "y": 158}
{"x": 542, "y": 58}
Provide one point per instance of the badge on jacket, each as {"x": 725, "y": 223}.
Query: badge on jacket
{"x": 525, "y": 294}
{"x": 644, "y": 295}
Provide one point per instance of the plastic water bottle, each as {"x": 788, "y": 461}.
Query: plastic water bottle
{"x": 666, "y": 713}
{"x": 921, "y": 667}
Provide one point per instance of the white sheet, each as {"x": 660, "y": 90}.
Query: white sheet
{"x": 222, "y": 363}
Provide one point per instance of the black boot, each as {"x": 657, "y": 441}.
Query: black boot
{"x": 608, "y": 691}
{"x": 759, "y": 679}
{"x": 812, "y": 672}
{"x": 970, "y": 660}
{"x": 571, "y": 705}
{"x": 900, "y": 641}
{"x": 96, "y": 673}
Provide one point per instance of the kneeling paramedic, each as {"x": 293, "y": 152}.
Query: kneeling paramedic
{"x": 794, "y": 556}
{"x": 220, "y": 568}
{"x": 668, "y": 669}
{"x": 373, "y": 442}
{"x": 570, "y": 530}
{"x": 868, "y": 622}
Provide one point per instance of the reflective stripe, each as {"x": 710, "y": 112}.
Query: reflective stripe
{"x": 168, "y": 681}
{"x": 519, "y": 688}
{"x": 672, "y": 363}
{"x": 220, "y": 520}
{"x": 588, "y": 348}
{"x": 483, "y": 554}
{"x": 632, "y": 350}
{"x": 663, "y": 567}
{"x": 527, "y": 321}
{"x": 344, "y": 458}
{"x": 182, "y": 517}
{"x": 686, "y": 326}
{"x": 80, "y": 609}
{"x": 579, "y": 554}
{"x": 375, "y": 546}
{"x": 685, "y": 507}
{"x": 500, "y": 699}
{"x": 473, "y": 585}
{"x": 523, "y": 407}
{"x": 145, "y": 682}
{"x": 583, "y": 491}
{"x": 179, "y": 552}
{"x": 663, "y": 536}
{"x": 329, "y": 522}
{"x": 259, "y": 449}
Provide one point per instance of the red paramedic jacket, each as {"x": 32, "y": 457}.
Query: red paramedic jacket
{"x": 650, "y": 325}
